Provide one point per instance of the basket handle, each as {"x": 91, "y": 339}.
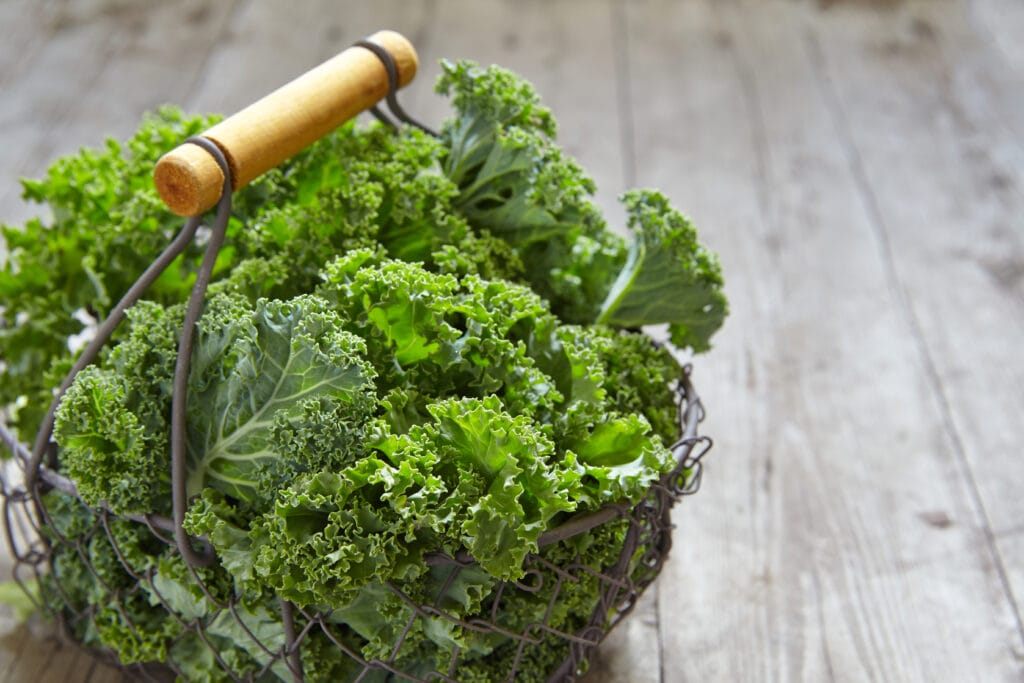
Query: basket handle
{"x": 282, "y": 124}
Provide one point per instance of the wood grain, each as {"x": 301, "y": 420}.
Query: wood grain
{"x": 40, "y": 96}
{"x": 104, "y": 64}
{"x": 33, "y": 654}
{"x": 259, "y": 51}
{"x": 19, "y": 41}
{"x": 813, "y": 553}
{"x": 1001, "y": 21}
{"x": 953, "y": 237}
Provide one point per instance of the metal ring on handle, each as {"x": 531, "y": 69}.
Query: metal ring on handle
{"x": 43, "y": 441}
{"x": 43, "y": 444}
{"x": 392, "y": 97}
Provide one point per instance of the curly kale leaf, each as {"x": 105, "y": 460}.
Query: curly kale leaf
{"x": 113, "y": 443}
{"x": 397, "y": 307}
{"x": 332, "y": 534}
{"x": 513, "y": 466}
{"x": 487, "y": 100}
{"x": 273, "y": 391}
{"x": 505, "y": 483}
{"x": 668, "y": 277}
{"x": 473, "y": 477}
{"x": 112, "y": 423}
{"x": 227, "y": 528}
{"x": 515, "y": 183}
{"x": 293, "y": 241}
{"x": 439, "y": 335}
{"x": 638, "y": 373}
{"x": 602, "y": 370}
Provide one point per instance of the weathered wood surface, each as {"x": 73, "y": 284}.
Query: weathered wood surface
{"x": 858, "y": 164}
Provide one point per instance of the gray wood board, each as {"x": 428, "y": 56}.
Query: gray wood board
{"x": 953, "y": 236}
{"x": 104, "y": 63}
{"x": 819, "y": 547}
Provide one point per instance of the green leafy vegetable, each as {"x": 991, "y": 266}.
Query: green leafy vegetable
{"x": 668, "y": 277}
{"x": 275, "y": 391}
{"x": 410, "y": 347}
{"x": 515, "y": 182}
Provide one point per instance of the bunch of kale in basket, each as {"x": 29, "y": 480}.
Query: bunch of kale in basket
{"x": 412, "y": 345}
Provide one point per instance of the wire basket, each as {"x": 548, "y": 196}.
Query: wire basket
{"x": 38, "y": 542}
{"x": 542, "y": 627}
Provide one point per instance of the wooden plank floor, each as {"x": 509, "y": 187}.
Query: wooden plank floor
{"x": 858, "y": 164}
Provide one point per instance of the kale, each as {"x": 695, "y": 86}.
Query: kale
{"x": 410, "y": 345}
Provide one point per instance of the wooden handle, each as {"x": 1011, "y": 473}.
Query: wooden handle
{"x": 282, "y": 124}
